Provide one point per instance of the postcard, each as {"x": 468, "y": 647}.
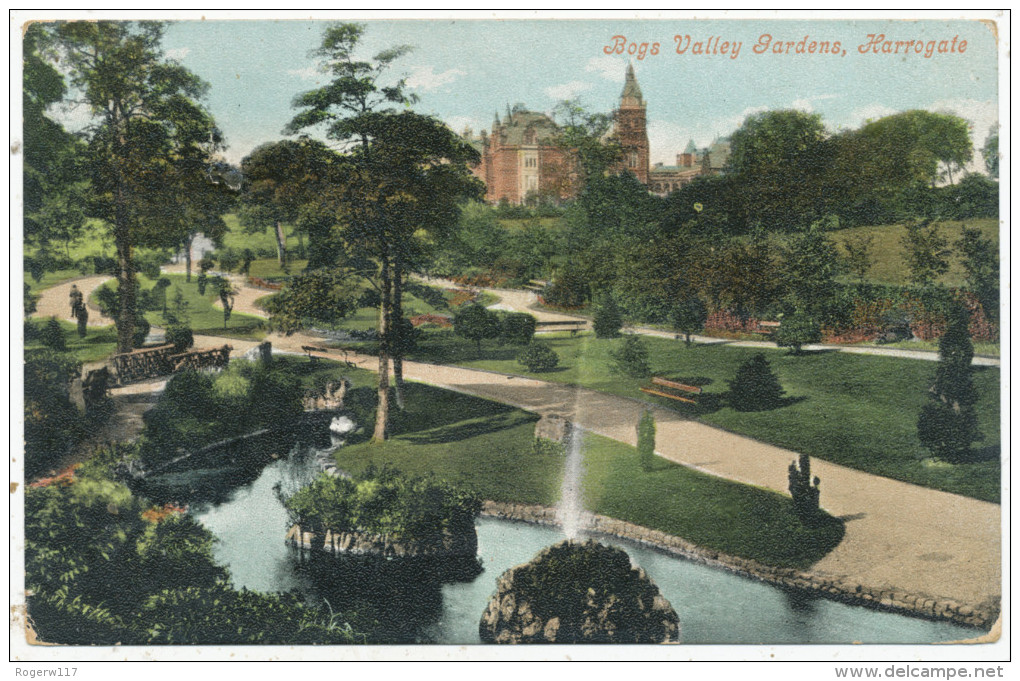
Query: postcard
{"x": 508, "y": 335}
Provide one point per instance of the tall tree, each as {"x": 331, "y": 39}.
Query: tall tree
{"x": 54, "y": 192}
{"x": 810, "y": 267}
{"x": 981, "y": 263}
{"x": 397, "y": 188}
{"x": 146, "y": 126}
{"x": 586, "y": 136}
{"x": 927, "y": 251}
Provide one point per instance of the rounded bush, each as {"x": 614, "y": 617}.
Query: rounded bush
{"x": 537, "y": 357}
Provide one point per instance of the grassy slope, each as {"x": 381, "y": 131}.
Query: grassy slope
{"x": 486, "y": 447}
{"x": 889, "y": 265}
{"x": 98, "y": 344}
{"x": 205, "y": 319}
{"x": 855, "y": 410}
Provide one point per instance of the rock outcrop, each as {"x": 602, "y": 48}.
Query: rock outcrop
{"x": 578, "y": 592}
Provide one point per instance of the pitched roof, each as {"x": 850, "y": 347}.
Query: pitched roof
{"x": 631, "y": 89}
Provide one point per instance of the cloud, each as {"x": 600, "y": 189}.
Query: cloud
{"x": 313, "y": 72}
{"x": 426, "y": 79}
{"x": 567, "y": 90}
{"x": 178, "y": 53}
{"x": 869, "y": 112}
{"x": 611, "y": 68}
{"x": 458, "y": 123}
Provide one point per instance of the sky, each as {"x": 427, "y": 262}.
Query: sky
{"x": 466, "y": 70}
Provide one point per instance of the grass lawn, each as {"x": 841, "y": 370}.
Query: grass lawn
{"x": 889, "y": 266}
{"x": 98, "y": 344}
{"x": 856, "y": 410}
{"x": 205, "y": 319}
{"x": 486, "y": 447}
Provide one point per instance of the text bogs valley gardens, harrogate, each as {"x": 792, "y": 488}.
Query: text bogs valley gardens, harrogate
{"x": 715, "y": 45}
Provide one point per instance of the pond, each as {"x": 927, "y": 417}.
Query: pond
{"x": 401, "y": 604}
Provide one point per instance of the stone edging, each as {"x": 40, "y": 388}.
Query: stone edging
{"x": 982, "y": 616}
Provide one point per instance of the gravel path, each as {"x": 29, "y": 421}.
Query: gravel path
{"x": 899, "y": 536}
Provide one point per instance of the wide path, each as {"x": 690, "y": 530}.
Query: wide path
{"x": 899, "y": 536}
{"x": 56, "y": 300}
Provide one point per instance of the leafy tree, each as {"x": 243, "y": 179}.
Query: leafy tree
{"x": 981, "y": 263}
{"x": 777, "y": 158}
{"x": 990, "y": 153}
{"x": 909, "y": 147}
{"x": 586, "y": 136}
{"x": 396, "y": 191}
{"x": 147, "y": 126}
{"x": 646, "y": 440}
{"x": 810, "y": 267}
{"x": 755, "y": 387}
{"x": 323, "y": 296}
{"x": 476, "y": 323}
{"x": 280, "y": 178}
{"x": 796, "y": 330}
{"x": 927, "y": 251}
{"x": 607, "y": 320}
{"x": 53, "y": 184}
{"x": 226, "y": 292}
{"x": 538, "y": 357}
{"x": 229, "y": 259}
{"x": 517, "y": 328}
{"x": 53, "y": 336}
{"x": 630, "y": 358}
{"x": 688, "y": 316}
{"x": 858, "y": 256}
{"x": 975, "y": 196}
{"x": 948, "y": 423}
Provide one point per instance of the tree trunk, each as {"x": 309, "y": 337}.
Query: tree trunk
{"x": 281, "y": 244}
{"x": 397, "y": 327}
{"x": 187, "y": 257}
{"x": 382, "y": 414}
{"x": 126, "y": 288}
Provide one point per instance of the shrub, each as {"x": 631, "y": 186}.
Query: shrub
{"x": 51, "y": 421}
{"x": 181, "y": 336}
{"x": 947, "y": 425}
{"x": 646, "y": 440}
{"x": 631, "y": 358}
{"x": 517, "y": 328}
{"x": 384, "y": 502}
{"x": 538, "y": 357}
{"x": 608, "y": 321}
{"x": 755, "y": 387}
{"x": 53, "y": 336}
{"x": 797, "y": 330}
{"x": 476, "y": 323}
{"x": 229, "y": 259}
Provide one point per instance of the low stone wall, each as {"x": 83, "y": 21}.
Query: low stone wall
{"x": 354, "y": 543}
{"x": 983, "y": 615}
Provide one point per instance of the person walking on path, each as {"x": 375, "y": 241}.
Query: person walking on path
{"x": 77, "y": 301}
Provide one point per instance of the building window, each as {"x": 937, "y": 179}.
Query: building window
{"x": 531, "y": 162}
{"x": 632, "y": 160}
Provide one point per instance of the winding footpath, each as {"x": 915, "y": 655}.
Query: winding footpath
{"x": 900, "y": 538}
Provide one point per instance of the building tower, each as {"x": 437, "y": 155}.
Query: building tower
{"x": 631, "y": 128}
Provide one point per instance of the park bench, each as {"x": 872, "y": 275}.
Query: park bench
{"x": 311, "y": 349}
{"x": 767, "y": 328}
{"x": 673, "y": 390}
{"x": 572, "y": 326}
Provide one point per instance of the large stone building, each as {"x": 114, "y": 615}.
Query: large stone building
{"x": 521, "y": 159}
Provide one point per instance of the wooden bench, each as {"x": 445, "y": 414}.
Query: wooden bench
{"x": 673, "y": 390}
{"x": 573, "y": 326}
{"x": 768, "y": 328}
{"x": 309, "y": 349}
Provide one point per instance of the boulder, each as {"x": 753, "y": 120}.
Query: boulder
{"x": 553, "y": 427}
{"x": 263, "y": 352}
{"x": 578, "y": 592}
